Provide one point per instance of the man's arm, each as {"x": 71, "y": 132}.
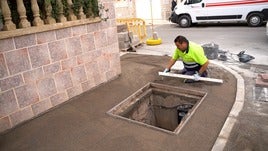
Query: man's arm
{"x": 203, "y": 68}
{"x": 171, "y": 63}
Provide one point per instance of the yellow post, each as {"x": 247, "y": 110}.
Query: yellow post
{"x": 154, "y": 40}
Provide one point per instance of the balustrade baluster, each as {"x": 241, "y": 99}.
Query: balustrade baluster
{"x": 81, "y": 14}
{"x": 35, "y": 8}
{"x": 22, "y": 12}
{"x": 90, "y": 10}
{"x": 71, "y": 15}
{"x": 48, "y": 8}
{"x": 61, "y": 17}
{"x": 8, "y": 24}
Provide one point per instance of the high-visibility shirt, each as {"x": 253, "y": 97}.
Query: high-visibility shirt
{"x": 193, "y": 58}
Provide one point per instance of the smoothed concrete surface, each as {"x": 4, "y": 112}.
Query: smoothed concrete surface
{"x": 82, "y": 123}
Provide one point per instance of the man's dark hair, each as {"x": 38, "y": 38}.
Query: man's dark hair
{"x": 180, "y": 39}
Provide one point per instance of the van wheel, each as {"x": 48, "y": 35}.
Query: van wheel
{"x": 184, "y": 21}
{"x": 255, "y": 19}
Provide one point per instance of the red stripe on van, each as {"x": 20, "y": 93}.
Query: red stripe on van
{"x": 236, "y": 3}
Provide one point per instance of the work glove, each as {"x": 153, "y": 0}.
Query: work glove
{"x": 166, "y": 70}
{"x": 196, "y": 76}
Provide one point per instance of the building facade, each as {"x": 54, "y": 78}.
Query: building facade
{"x": 161, "y": 9}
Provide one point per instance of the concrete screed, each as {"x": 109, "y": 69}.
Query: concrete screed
{"x": 81, "y": 123}
{"x": 250, "y": 131}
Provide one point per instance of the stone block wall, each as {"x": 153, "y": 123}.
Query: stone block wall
{"x": 39, "y": 71}
{"x": 166, "y": 8}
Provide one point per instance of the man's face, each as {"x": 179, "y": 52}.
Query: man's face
{"x": 182, "y": 46}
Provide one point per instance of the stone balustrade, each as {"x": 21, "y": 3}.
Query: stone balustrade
{"x": 36, "y": 11}
{"x": 47, "y": 64}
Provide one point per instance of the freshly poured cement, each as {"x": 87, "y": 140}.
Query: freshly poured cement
{"x": 83, "y": 125}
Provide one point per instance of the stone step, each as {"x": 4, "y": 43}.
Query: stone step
{"x": 122, "y": 28}
{"x": 264, "y": 77}
{"x": 260, "y": 82}
{"x": 123, "y": 36}
{"x": 124, "y": 46}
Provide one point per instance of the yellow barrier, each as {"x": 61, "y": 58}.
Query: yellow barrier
{"x": 135, "y": 25}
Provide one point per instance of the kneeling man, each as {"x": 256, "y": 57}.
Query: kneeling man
{"x": 193, "y": 57}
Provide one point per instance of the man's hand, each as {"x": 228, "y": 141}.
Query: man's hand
{"x": 196, "y": 76}
{"x": 166, "y": 70}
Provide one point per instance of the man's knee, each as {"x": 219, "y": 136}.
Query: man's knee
{"x": 204, "y": 74}
{"x": 189, "y": 73}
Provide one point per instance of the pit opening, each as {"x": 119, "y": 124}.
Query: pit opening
{"x": 162, "y": 107}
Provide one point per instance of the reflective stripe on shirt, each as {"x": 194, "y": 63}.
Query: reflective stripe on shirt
{"x": 191, "y": 66}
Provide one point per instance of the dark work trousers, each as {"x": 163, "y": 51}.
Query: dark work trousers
{"x": 192, "y": 72}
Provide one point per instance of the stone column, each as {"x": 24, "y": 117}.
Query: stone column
{"x": 90, "y": 11}
{"x": 9, "y": 25}
{"x": 22, "y": 12}
{"x": 35, "y": 8}
{"x": 48, "y": 8}
{"x": 71, "y": 15}
{"x": 81, "y": 14}
{"x": 61, "y": 17}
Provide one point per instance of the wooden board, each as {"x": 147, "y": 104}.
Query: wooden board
{"x": 168, "y": 74}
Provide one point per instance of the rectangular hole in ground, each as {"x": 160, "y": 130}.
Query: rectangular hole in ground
{"x": 160, "y": 106}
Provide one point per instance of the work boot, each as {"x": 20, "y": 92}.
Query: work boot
{"x": 185, "y": 72}
{"x": 189, "y": 81}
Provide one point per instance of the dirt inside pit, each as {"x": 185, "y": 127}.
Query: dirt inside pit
{"x": 161, "y": 110}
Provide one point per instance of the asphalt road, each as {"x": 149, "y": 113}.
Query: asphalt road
{"x": 230, "y": 37}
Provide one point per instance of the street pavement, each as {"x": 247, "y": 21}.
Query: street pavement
{"x": 250, "y": 132}
{"x": 230, "y": 37}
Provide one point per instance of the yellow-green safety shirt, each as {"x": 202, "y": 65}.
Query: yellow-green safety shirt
{"x": 193, "y": 58}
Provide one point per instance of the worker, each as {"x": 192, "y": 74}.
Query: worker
{"x": 193, "y": 57}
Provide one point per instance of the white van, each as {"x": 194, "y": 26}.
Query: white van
{"x": 254, "y": 12}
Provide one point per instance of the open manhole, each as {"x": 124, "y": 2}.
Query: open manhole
{"x": 162, "y": 107}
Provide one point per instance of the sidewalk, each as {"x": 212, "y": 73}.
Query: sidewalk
{"x": 82, "y": 123}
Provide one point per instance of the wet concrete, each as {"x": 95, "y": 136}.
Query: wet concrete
{"x": 82, "y": 123}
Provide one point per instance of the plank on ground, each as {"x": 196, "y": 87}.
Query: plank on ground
{"x": 168, "y": 74}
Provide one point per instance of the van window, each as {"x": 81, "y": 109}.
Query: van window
{"x": 194, "y": 1}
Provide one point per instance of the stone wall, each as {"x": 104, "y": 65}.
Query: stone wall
{"x": 42, "y": 70}
{"x": 166, "y": 9}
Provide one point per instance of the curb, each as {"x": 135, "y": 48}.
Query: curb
{"x": 225, "y": 132}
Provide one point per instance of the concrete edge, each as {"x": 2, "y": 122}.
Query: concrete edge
{"x": 225, "y": 132}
